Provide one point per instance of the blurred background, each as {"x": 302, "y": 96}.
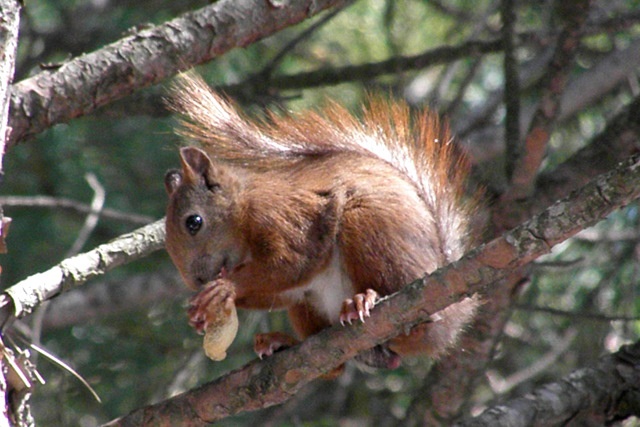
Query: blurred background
{"x": 127, "y": 333}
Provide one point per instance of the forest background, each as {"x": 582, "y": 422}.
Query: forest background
{"x": 544, "y": 96}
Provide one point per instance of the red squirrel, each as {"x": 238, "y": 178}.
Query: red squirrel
{"x": 317, "y": 213}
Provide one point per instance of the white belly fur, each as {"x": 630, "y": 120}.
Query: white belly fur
{"x": 327, "y": 290}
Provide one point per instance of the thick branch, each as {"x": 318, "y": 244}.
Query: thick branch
{"x": 90, "y": 81}
{"x": 261, "y": 384}
{"x": 605, "y": 393}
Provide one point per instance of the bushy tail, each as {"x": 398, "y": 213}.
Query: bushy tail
{"x": 414, "y": 143}
{"x": 216, "y": 124}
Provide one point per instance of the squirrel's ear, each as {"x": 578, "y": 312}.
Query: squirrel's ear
{"x": 172, "y": 179}
{"x": 196, "y": 164}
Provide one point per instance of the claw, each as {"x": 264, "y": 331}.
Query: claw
{"x": 265, "y": 345}
{"x": 217, "y": 294}
{"x": 359, "y": 307}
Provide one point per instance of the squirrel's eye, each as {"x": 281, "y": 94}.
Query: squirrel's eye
{"x": 193, "y": 223}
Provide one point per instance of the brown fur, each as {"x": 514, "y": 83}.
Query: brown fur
{"x": 306, "y": 211}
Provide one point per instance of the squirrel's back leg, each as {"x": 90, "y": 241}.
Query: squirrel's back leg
{"x": 376, "y": 252}
{"x": 378, "y": 257}
{"x": 440, "y": 334}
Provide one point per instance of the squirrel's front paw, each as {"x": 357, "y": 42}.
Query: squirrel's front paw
{"x": 266, "y": 344}
{"x": 205, "y": 306}
{"x": 358, "y": 307}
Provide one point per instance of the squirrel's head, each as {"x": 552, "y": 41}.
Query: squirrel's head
{"x": 200, "y": 235}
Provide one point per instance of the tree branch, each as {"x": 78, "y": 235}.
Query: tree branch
{"x": 503, "y": 385}
{"x": 583, "y": 91}
{"x": 14, "y": 401}
{"x": 90, "y": 81}
{"x": 74, "y": 205}
{"x": 263, "y": 383}
{"x": 268, "y": 70}
{"x": 621, "y": 138}
{"x": 596, "y": 317}
{"x": 9, "y": 25}
{"x": 525, "y": 167}
{"x": 255, "y": 85}
{"x": 72, "y": 272}
{"x": 91, "y": 221}
{"x": 602, "y": 394}
{"x": 589, "y": 87}
{"x": 334, "y": 76}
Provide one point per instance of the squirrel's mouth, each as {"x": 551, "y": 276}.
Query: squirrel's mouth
{"x": 227, "y": 266}
{"x": 220, "y": 271}
{"x": 223, "y": 271}
{"x": 208, "y": 270}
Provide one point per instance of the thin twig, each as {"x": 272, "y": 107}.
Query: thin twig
{"x": 333, "y": 76}
{"x": 286, "y": 50}
{"x": 91, "y": 221}
{"x": 63, "y": 203}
